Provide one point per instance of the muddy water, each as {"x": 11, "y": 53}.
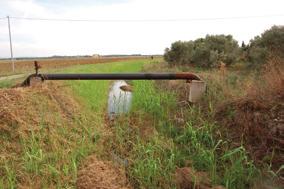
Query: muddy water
{"x": 119, "y": 101}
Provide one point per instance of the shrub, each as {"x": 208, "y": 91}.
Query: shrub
{"x": 179, "y": 52}
{"x": 204, "y": 52}
{"x": 270, "y": 42}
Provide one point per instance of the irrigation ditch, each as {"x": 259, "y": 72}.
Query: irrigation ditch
{"x": 157, "y": 142}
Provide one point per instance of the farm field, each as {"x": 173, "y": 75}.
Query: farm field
{"x": 57, "y": 135}
{"x": 27, "y": 66}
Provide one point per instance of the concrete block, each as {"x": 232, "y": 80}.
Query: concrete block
{"x": 196, "y": 90}
{"x": 35, "y": 81}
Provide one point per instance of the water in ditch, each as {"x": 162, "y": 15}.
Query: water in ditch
{"x": 119, "y": 99}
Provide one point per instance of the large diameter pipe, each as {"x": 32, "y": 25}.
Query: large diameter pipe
{"x": 114, "y": 76}
{"x": 121, "y": 76}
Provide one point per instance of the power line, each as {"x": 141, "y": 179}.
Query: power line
{"x": 144, "y": 20}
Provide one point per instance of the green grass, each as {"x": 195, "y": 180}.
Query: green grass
{"x": 50, "y": 155}
{"x": 6, "y": 83}
{"x": 153, "y": 159}
{"x": 94, "y": 93}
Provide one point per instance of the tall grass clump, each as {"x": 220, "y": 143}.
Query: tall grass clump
{"x": 158, "y": 104}
{"x": 151, "y": 157}
{"x": 270, "y": 81}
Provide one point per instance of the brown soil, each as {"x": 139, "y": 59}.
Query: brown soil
{"x": 258, "y": 123}
{"x": 187, "y": 178}
{"x": 96, "y": 174}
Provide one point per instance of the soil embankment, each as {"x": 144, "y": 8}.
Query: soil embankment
{"x": 40, "y": 128}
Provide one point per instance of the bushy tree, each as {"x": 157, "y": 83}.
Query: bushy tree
{"x": 270, "y": 42}
{"x": 179, "y": 52}
{"x": 204, "y": 52}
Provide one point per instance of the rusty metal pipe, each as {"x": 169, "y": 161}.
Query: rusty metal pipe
{"x": 121, "y": 76}
{"x": 114, "y": 76}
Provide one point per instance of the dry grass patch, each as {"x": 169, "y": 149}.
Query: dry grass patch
{"x": 256, "y": 119}
{"x": 43, "y": 137}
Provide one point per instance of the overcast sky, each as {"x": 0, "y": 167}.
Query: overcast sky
{"x": 47, "y": 38}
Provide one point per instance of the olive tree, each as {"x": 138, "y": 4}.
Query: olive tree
{"x": 204, "y": 52}
{"x": 270, "y": 42}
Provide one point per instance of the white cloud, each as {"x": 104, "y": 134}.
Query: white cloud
{"x": 44, "y": 38}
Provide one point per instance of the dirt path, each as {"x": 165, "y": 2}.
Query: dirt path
{"x": 17, "y": 76}
{"x": 95, "y": 173}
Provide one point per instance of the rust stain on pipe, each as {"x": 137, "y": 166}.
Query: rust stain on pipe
{"x": 187, "y": 76}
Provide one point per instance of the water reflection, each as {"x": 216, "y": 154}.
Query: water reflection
{"x": 119, "y": 101}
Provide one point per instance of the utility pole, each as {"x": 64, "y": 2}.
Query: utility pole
{"x": 11, "y": 47}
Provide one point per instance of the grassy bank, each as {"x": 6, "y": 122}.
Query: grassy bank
{"x": 45, "y": 133}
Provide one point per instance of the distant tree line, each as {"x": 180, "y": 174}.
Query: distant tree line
{"x": 213, "y": 50}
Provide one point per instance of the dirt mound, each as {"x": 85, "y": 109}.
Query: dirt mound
{"x": 23, "y": 105}
{"x": 256, "y": 120}
{"x": 101, "y": 174}
{"x": 187, "y": 178}
{"x": 25, "y": 110}
{"x": 257, "y": 123}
